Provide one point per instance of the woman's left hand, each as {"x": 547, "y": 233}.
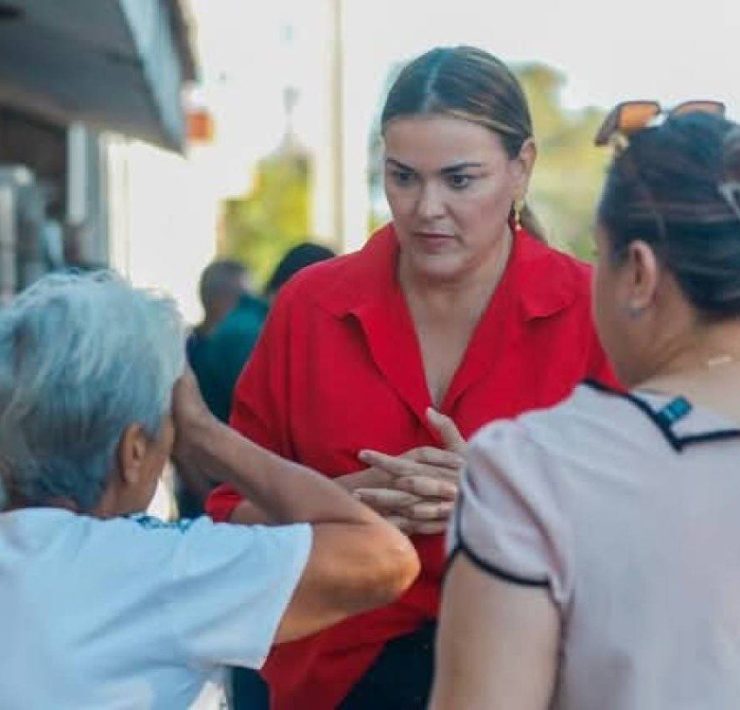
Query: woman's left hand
{"x": 423, "y": 481}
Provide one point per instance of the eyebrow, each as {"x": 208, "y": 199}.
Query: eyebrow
{"x": 457, "y": 167}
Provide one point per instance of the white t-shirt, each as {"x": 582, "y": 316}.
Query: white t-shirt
{"x": 136, "y": 613}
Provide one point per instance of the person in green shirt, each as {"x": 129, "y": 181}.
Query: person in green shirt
{"x": 227, "y": 349}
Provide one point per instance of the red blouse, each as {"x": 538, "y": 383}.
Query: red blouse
{"x": 338, "y": 369}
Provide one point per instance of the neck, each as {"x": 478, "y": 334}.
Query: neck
{"x": 468, "y": 293}
{"x": 707, "y": 353}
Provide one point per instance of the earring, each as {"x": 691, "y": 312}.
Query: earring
{"x": 517, "y": 208}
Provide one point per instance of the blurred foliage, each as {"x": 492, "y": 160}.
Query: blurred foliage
{"x": 570, "y": 170}
{"x": 260, "y": 227}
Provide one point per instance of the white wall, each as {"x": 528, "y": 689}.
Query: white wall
{"x": 164, "y": 216}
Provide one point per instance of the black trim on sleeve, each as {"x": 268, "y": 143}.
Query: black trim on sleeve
{"x": 663, "y": 422}
{"x": 493, "y": 569}
{"x": 480, "y": 563}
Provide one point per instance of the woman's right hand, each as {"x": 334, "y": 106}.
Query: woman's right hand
{"x": 421, "y": 495}
{"x": 415, "y": 491}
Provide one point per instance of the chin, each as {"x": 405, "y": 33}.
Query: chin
{"x": 441, "y": 267}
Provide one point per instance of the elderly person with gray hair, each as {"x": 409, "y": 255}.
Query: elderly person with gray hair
{"x": 103, "y": 607}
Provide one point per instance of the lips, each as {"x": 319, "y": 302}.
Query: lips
{"x": 434, "y": 236}
{"x": 434, "y": 241}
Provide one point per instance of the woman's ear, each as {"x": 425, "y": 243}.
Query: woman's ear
{"x": 132, "y": 448}
{"x": 642, "y": 273}
{"x": 524, "y": 164}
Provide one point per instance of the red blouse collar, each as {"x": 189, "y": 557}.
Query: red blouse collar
{"x": 543, "y": 280}
{"x": 538, "y": 282}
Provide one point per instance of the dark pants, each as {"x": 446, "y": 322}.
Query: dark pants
{"x": 400, "y": 678}
{"x": 249, "y": 691}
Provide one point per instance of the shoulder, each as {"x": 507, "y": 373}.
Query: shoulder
{"x": 344, "y": 281}
{"x": 588, "y": 415}
{"x": 540, "y": 440}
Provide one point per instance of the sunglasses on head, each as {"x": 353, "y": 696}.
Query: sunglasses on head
{"x": 629, "y": 117}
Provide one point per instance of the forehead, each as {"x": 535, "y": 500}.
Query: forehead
{"x": 436, "y": 141}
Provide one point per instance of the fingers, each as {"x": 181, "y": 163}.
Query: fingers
{"x": 415, "y": 527}
{"x": 367, "y": 478}
{"x": 425, "y": 461}
{"x": 436, "y": 528}
{"x": 436, "y": 457}
{"x": 397, "y": 465}
{"x": 426, "y": 487}
{"x": 400, "y": 504}
{"x": 385, "y": 500}
{"x": 447, "y": 430}
{"x": 430, "y": 512}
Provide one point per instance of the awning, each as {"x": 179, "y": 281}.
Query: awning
{"x": 114, "y": 64}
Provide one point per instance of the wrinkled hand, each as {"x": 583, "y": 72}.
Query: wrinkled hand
{"x": 190, "y": 414}
{"x": 419, "y": 487}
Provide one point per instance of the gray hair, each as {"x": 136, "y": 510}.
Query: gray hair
{"x": 81, "y": 358}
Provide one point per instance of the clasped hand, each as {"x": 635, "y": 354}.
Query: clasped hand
{"x": 415, "y": 491}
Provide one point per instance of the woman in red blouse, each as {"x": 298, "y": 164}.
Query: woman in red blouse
{"x": 458, "y": 307}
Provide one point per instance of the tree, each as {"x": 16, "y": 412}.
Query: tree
{"x": 259, "y": 228}
{"x": 570, "y": 170}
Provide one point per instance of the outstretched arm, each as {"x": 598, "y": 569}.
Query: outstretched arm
{"x": 357, "y": 562}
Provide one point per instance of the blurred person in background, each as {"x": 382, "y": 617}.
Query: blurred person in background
{"x": 220, "y": 346}
{"x": 102, "y": 606}
{"x": 595, "y": 556}
{"x": 295, "y": 259}
{"x": 455, "y": 314}
{"x": 226, "y": 349}
{"x": 223, "y": 287}
{"x": 220, "y": 287}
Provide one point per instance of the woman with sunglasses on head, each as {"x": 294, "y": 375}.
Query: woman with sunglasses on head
{"x": 595, "y": 560}
{"x": 457, "y": 305}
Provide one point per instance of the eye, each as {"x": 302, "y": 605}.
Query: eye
{"x": 459, "y": 181}
{"x": 402, "y": 178}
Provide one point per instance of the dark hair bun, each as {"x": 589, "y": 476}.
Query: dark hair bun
{"x": 674, "y": 188}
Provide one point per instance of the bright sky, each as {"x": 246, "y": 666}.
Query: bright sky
{"x": 664, "y": 49}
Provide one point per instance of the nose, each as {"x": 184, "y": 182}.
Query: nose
{"x": 430, "y": 204}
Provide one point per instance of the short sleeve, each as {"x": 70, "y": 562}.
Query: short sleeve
{"x": 230, "y": 587}
{"x": 509, "y": 519}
